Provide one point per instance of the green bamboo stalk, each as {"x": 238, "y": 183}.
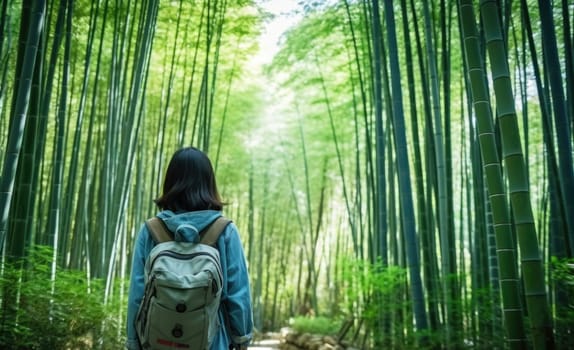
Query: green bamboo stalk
{"x": 303, "y": 252}
{"x": 380, "y": 183}
{"x": 367, "y": 225}
{"x": 513, "y": 157}
{"x": 417, "y": 160}
{"x": 188, "y": 95}
{"x": 22, "y": 212}
{"x": 159, "y": 146}
{"x": 392, "y": 325}
{"x": 78, "y": 129}
{"x": 55, "y": 235}
{"x": 134, "y": 113}
{"x": 251, "y": 217}
{"x": 53, "y": 225}
{"x": 258, "y": 250}
{"x": 532, "y": 267}
{"x": 550, "y": 148}
{"x": 446, "y": 245}
{"x": 568, "y": 41}
{"x": 346, "y": 196}
{"x": 407, "y": 211}
{"x": 264, "y": 258}
{"x": 311, "y": 268}
{"x": 446, "y": 9}
{"x": 82, "y": 232}
{"x": 224, "y": 114}
{"x": 106, "y": 159}
{"x": 200, "y": 124}
{"x": 284, "y": 250}
{"x": 509, "y": 282}
{"x": 552, "y": 212}
{"x": 219, "y": 23}
{"x": 19, "y": 117}
{"x": 561, "y": 122}
{"x": 430, "y": 261}
{"x": 357, "y": 224}
{"x": 5, "y": 44}
{"x": 378, "y": 243}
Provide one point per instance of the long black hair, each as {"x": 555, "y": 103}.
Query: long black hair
{"x": 189, "y": 183}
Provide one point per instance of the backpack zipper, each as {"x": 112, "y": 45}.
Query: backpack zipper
{"x": 188, "y": 257}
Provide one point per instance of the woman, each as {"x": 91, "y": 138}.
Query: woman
{"x": 189, "y": 203}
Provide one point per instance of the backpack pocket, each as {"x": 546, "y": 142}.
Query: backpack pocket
{"x": 176, "y": 330}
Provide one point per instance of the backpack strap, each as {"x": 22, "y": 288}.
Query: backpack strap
{"x": 158, "y": 230}
{"x": 209, "y": 236}
{"x": 212, "y": 233}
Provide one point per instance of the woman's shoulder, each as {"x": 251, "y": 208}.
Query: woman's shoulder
{"x": 230, "y": 232}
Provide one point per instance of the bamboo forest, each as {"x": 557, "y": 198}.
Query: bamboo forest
{"x": 400, "y": 172}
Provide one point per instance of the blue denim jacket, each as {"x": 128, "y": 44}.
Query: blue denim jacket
{"x": 235, "y": 312}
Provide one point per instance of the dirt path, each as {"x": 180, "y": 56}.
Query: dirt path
{"x": 268, "y": 344}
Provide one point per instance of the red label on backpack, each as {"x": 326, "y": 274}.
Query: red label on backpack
{"x": 172, "y": 344}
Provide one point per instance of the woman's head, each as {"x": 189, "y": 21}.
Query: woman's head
{"x": 189, "y": 183}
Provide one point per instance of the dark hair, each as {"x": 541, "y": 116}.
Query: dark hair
{"x": 189, "y": 183}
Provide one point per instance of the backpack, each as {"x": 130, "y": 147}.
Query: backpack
{"x": 182, "y": 290}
